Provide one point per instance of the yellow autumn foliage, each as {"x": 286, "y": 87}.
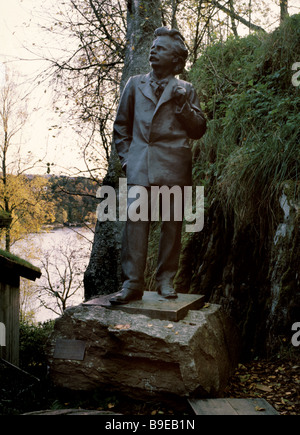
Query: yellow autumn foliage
{"x": 29, "y": 202}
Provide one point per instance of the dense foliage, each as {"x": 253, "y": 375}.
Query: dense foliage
{"x": 33, "y": 342}
{"x": 252, "y": 143}
{"x": 74, "y": 199}
{"x": 35, "y": 201}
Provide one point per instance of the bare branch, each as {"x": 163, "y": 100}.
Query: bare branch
{"x": 235, "y": 16}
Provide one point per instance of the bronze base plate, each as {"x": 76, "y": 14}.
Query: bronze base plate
{"x": 154, "y": 306}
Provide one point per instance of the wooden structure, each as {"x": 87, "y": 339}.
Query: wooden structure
{"x": 11, "y": 269}
{"x": 231, "y": 406}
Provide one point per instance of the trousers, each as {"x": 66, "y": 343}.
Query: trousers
{"x": 135, "y": 247}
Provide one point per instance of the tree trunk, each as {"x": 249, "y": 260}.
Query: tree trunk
{"x": 233, "y": 24}
{"x": 5, "y": 199}
{"x": 283, "y": 10}
{"x": 103, "y": 274}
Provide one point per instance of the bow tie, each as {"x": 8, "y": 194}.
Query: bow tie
{"x": 158, "y": 86}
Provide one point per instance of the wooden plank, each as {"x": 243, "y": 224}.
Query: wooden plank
{"x": 212, "y": 407}
{"x": 9, "y": 277}
{"x": 257, "y": 406}
{"x": 9, "y": 316}
{"x": 232, "y": 406}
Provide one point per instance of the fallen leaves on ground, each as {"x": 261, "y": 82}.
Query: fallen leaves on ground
{"x": 275, "y": 381}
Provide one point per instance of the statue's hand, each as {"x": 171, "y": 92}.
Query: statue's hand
{"x": 180, "y": 95}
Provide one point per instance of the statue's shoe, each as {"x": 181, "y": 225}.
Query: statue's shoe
{"x": 125, "y": 296}
{"x": 167, "y": 291}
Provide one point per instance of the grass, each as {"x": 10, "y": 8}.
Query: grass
{"x": 18, "y": 260}
{"x": 251, "y": 147}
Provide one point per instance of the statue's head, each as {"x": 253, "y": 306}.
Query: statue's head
{"x": 168, "y": 49}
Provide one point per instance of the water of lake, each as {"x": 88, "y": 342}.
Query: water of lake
{"x": 63, "y": 255}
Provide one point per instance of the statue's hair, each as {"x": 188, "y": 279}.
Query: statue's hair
{"x": 179, "y": 47}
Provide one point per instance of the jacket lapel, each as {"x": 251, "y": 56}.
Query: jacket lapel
{"x": 146, "y": 89}
{"x": 167, "y": 93}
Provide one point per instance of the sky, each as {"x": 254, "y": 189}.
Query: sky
{"x": 19, "y": 35}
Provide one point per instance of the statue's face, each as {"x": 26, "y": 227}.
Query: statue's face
{"x": 162, "y": 53}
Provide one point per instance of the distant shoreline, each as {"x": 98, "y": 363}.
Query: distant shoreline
{"x": 57, "y": 226}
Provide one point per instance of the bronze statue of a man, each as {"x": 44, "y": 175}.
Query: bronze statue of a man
{"x": 157, "y": 116}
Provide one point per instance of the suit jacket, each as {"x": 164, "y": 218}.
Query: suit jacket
{"x": 152, "y": 138}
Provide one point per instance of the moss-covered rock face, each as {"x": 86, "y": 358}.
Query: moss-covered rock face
{"x": 284, "y": 271}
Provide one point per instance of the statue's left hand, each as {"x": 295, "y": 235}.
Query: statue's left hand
{"x": 180, "y": 95}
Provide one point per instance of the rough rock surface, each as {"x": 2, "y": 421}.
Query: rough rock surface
{"x": 140, "y": 357}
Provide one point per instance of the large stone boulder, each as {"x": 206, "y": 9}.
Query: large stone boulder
{"x": 141, "y": 357}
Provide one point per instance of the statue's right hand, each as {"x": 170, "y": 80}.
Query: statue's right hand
{"x": 180, "y": 95}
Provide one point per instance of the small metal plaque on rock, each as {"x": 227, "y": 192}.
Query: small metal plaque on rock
{"x": 69, "y": 349}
